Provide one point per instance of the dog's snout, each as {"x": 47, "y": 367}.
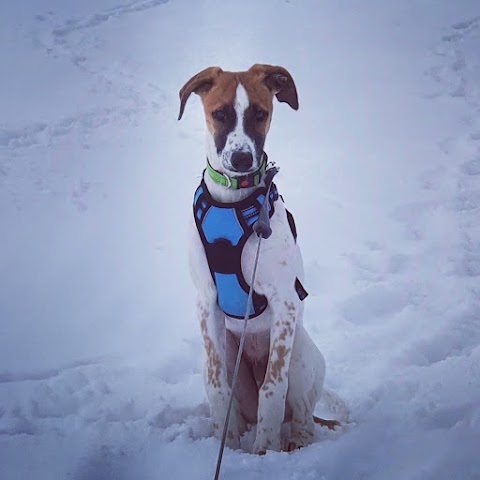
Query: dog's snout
{"x": 242, "y": 161}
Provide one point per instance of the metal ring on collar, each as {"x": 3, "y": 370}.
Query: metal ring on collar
{"x": 229, "y": 182}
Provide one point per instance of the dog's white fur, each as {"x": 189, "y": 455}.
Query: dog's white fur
{"x": 277, "y": 342}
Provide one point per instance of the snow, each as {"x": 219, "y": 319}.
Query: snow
{"x": 100, "y": 352}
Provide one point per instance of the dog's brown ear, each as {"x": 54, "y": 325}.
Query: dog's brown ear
{"x": 199, "y": 83}
{"x": 279, "y": 81}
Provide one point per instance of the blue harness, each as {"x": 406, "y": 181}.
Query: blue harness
{"x": 224, "y": 230}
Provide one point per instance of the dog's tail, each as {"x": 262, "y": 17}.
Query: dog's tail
{"x": 330, "y": 424}
{"x": 336, "y": 406}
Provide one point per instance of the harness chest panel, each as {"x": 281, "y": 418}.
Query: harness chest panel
{"x": 224, "y": 230}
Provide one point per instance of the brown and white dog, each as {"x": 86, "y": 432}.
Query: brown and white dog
{"x": 282, "y": 371}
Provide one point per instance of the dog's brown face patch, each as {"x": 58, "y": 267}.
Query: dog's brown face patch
{"x": 220, "y": 98}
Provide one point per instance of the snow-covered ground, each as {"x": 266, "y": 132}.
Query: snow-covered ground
{"x": 100, "y": 352}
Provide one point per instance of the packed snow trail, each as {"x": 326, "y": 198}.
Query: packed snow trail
{"x": 100, "y": 353}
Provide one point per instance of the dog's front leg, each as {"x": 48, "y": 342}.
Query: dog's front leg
{"x": 212, "y": 325}
{"x": 273, "y": 392}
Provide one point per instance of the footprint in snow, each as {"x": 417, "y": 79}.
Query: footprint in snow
{"x": 459, "y": 338}
{"x": 46, "y": 374}
{"x": 103, "y": 16}
{"x": 17, "y": 425}
{"x": 377, "y": 264}
{"x": 104, "y": 462}
{"x": 44, "y": 134}
{"x": 375, "y": 303}
{"x": 434, "y": 417}
{"x": 190, "y": 422}
{"x": 472, "y": 167}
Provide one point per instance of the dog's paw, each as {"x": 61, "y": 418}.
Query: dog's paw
{"x": 295, "y": 444}
{"x": 297, "y": 441}
{"x": 259, "y": 449}
{"x": 232, "y": 441}
{"x": 261, "y": 446}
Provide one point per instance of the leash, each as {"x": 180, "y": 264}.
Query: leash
{"x": 263, "y": 230}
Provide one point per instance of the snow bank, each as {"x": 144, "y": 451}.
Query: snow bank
{"x": 100, "y": 355}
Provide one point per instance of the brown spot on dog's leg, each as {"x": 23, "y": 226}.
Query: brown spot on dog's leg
{"x": 213, "y": 360}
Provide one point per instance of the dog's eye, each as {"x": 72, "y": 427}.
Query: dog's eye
{"x": 219, "y": 115}
{"x": 260, "y": 115}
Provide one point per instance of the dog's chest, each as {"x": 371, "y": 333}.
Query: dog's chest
{"x": 256, "y": 347}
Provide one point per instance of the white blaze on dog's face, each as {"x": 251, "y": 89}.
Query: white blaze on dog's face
{"x": 235, "y": 150}
{"x": 238, "y": 109}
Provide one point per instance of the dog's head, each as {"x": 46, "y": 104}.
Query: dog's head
{"x": 238, "y": 111}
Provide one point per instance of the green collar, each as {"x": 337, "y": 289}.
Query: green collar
{"x": 242, "y": 181}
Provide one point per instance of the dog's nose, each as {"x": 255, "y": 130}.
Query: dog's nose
{"x": 242, "y": 161}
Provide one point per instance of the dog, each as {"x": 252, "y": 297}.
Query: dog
{"x": 282, "y": 371}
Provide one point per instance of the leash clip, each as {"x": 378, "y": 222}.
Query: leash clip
{"x": 270, "y": 172}
{"x": 271, "y": 164}
{"x": 262, "y": 226}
